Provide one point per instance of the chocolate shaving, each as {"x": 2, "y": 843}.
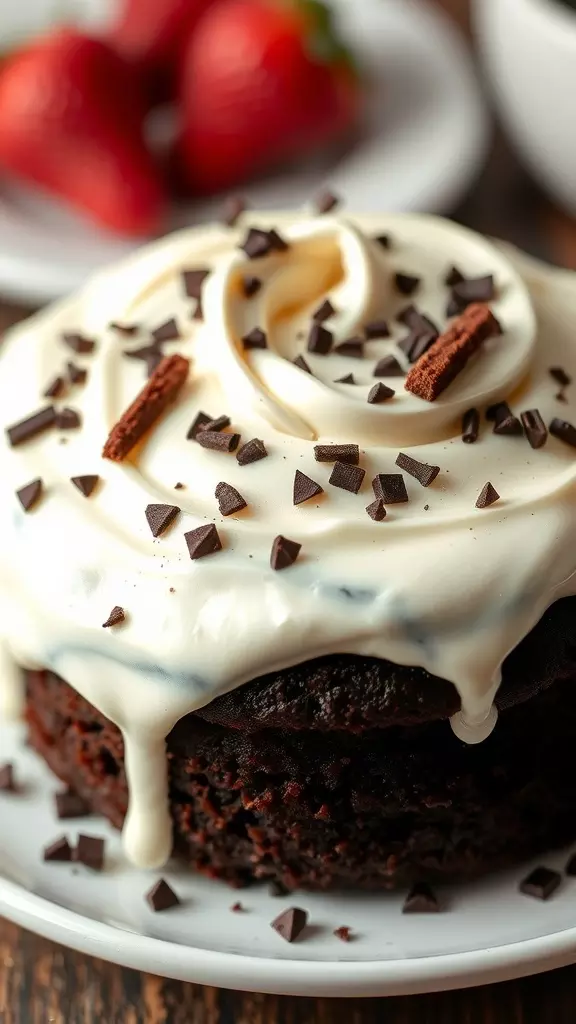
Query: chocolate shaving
{"x": 55, "y": 388}
{"x": 383, "y": 240}
{"x": 348, "y": 453}
{"x": 540, "y": 883}
{"x": 218, "y": 442}
{"x": 473, "y": 289}
{"x": 470, "y": 426}
{"x": 160, "y": 517}
{"x": 252, "y": 451}
{"x": 193, "y": 281}
{"x": 326, "y": 201}
{"x": 204, "y": 540}
{"x": 68, "y": 419}
{"x": 259, "y": 243}
{"x": 376, "y": 510}
{"x": 534, "y": 428}
{"x": 251, "y": 285}
{"x": 79, "y": 344}
{"x": 488, "y": 495}
{"x": 154, "y": 398}
{"x": 85, "y": 484}
{"x": 301, "y": 363}
{"x": 59, "y": 850}
{"x": 353, "y": 347}
{"x": 31, "y": 426}
{"x": 230, "y": 500}
{"x": 454, "y": 276}
{"x": 564, "y": 431}
{"x": 168, "y": 331}
{"x": 7, "y": 779}
{"x": 29, "y": 495}
{"x": 376, "y": 329}
{"x": 421, "y": 900}
{"x": 347, "y": 477}
{"x": 304, "y": 488}
{"x": 380, "y": 393}
{"x": 421, "y": 471}
{"x": 90, "y": 852}
{"x": 388, "y": 366}
{"x": 290, "y": 923}
{"x": 161, "y": 896}
{"x": 70, "y": 805}
{"x": 220, "y": 423}
{"x": 255, "y": 338}
{"x": 320, "y": 340}
{"x": 421, "y": 344}
{"x": 406, "y": 283}
{"x": 505, "y": 422}
{"x": 417, "y": 321}
{"x": 201, "y": 421}
{"x": 284, "y": 553}
{"x": 556, "y": 372}
{"x": 324, "y": 312}
{"x": 390, "y": 488}
{"x": 116, "y": 616}
{"x": 233, "y": 208}
{"x": 76, "y": 374}
{"x": 450, "y": 353}
{"x": 347, "y": 379}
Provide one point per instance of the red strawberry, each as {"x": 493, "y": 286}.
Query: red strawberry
{"x": 152, "y": 33}
{"x": 71, "y": 121}
{"x": 262, "y": 81}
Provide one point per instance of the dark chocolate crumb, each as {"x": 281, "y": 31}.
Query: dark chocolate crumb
{"x": 556, "y": 372}
{"x": 55, "y": 388}
{"x": 353, "y": 347}
{"x": 198, "y": 313}
{"x": 232, "y": 210}
{"x": 200, "y": 422}
{"x": 505, "y": 422}
{"x": 474, "y": 289}
{"x": 564, "y": 431}
{"x": 320, "y": 340}
{"x": 161, "y": 896}
{"x": 390, "y": 488}
{"x": 453, "y": 307}
{"x": 255, "y": 338}
{"x": 79, "y": 344}
{"x": 383, "y": 240}
{"x": 251, "y": 286}
{"x": 217, "y": 441}
{"x": 284, "y": 552}
{"x": 59, "y": 850}
{"x": 376, "y": 510}
{"x": 204, "y": 540}
{"x": 166, "y": 332}
{"x": 470, "y": 426}
{"x": 304, "y": 488}
{"x": 301, "y": 363}
{"x": 7, "y": 778}
{"x": 290, "y": 923}
{"x": 380, "y": 393}
{"x": 454, "y": 276}
{"x": 90, "y": 852}
{"x": 220, "y": 423}
{"x": 376, "y": 329}
{"x": 31, "y": 426}
{"x": 70, "y": 805}
{"x": 252, "y": 451}
{"x": 540, "y": 883}
{"x": 160, "y": 517}
{"x": 29, "y": 494}
{"x": 488, "y": 495}
{"x": 421, "y": 900}
{"x": 344, "y": 933}
{"x": 348, "y": 378}
{"x": 406, "y": 283}
{"x": 347, "y": 477}
{"x": 193, "y": 281}
{"x": 179, "y": 486}
{"x": 388, "y": 366}
{"x": 259, "y": 243}
{"x": 68, "y": 419}
{"x": 326, "y": 201}
{"x": 144, "y": 352}
{"x": 534, "y": 428}
{"x": 349, "y": 453}
{"x": 116, "y": 616}
{"x": 76, "y": 374}
{"x": 229, "y": 499}
{"x": 421, "y": 471}
{"x": 324, "y": 312}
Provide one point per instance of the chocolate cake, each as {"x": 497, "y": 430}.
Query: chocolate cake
{"x": 291, "y": 585}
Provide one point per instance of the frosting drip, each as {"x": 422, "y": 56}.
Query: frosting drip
{"x": 438, "y": 584}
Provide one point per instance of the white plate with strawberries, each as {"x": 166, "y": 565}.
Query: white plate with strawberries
{"x": 77, "y": 191}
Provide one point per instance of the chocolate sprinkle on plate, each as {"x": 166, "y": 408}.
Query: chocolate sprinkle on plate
{"x": 406, "y": 283}
{"x": 159, "y": 517}
{"x": 390, "y": 488}
{"x": 349, "y": 453}
{"x": 301, "y": 363}
{"x": 55, "y": 388}
{"x": 290, "y": 923}
{"x": 168, "y": 331}
{"x": 59, "y": 850}
{"x": 161, "y": 896}
{"x": 220, "y": 423}
{"x": 229, "y": 499}
{"x": 79, "y": 344}
{"x": 193, "y": 281}
{"x": 68, "y": 419}
{"x": 116, "y": 616}
{"x": 284, "y": 553}
{"x": 474, "y": 289}
{"x": 353, "y": 347}
{"x": 505, "y": 422}
{"x": 324, "y": 312}
{"x": 7, "y": 780}
{"x": 70, "y": 805}
{"x": 204, "y": 540}
{"x": 29, "y": 495}
{"x": 251, "y": 286}
{"x": 534, "y": 428}
{"x": 421, "y": 471}
{"x": 76, "y": 374}
{"x": 326, "y": 201}
{"x": 233, "y": 208}
{"x": 556, "y": 372}
{"x": 376, "y": 329}
{"x": 470, "y": 426}
{"x": 454, "y": 276}
{"x": 540, "y": 883}
{"x": 201, "y": 421}
{"x": 252, "y": 451}
{"x": 380, "y": 393}
{"x": 488, "y": 495}
{"x": 304, "y": 488}
{"x": 376, "y": 510}
{"x": 217, "y": 441}
{"x": 31, "y": 426}
{"x": 420, "y": 900}
{"x": 154, "y": 398}
{"x": 347, "y": 379}
{"x": 347, "y": 477}
{"x": 90, "y": 852}
{"x": 255, "y": 338}
{"x": 564, "y": 431}
{"x": 320, "y": 340}
{"x": 388, "y": 366}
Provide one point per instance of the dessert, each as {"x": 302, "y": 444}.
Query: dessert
{"x": 290, "y": 631}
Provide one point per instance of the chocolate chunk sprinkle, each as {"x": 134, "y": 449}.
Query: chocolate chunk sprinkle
{"x": 252, "y": 451}
{"x": 348, "y": 453}
{"x": 90, "y": 852}
{"x": 77, "y": 374}
{"x": 259, "y": 243}
{"x": 304, "y": 488}
{"x": 421, "y": 471}
{"x": 220, "y": 423}
{"x": 255, "y": 338}
{"x": 193, "y": 281}
{"x": 534, "y": 427}
{"x": 156, "y": 395}
{"x": 474, "y": 289}
{"x": 179, "y": 486}
{"x": 564, "y": 431}
{"x": 29, "y": 495}
{"x": 31, "y": 426}
{"x": 376, "y": 329}
{"x": 233, "y": 208}
{"x": 320, "y": 340}
{"x": 144, "y": 352}
{"x": 168, "y": 331}
{"x": 326, "y": 201}
{"x": 383, "y": 240}
{"x": 55, "y": 388}
{"x": 290, "y": 923}
{"x": 505, "y": 422}
{"x": 59, "y": 850}
{"x": 324, "y": 312}
{"x": 204, "y": 540}
{"x": 230, "y": 500}
{"x": 301, "y": 363}
{"x": 453, "y": 307}
{"x": 161, "y": 896}
{"x": 343, "y": 933}
{"x": 376, "y": 510}
{"x": 217, "y": 441}
{"x": 68, "y": 419}
{"x": 347, "y": 379}
{"x": 347, "y": 477}
{"x": 570, "y": 868}
{"x": 488, "y": 495}
{"x": 415, "y": 320}
{"x": 284, "y": 553}
{"x": 470, "y": 426}
{"x": 251, "y": 286}
{"x": 116, "y": 616}
{"x": 7, "y": 780}
{"x": 70, "y": 805}
{"x": 388, "y": 366}
{"x": 201, "y": 421}
{"x": 420, "y": 900}
{"x": 160, "y": 517}
{"x": 556, "y": 372}
{"x": 390, "y": 488}
{"x": 79, "y": 344}
{"x": 353, "y": 347}
{"x": 422, "y": 343}
{"x": 406, "y": 283}
{"x": 454, "y": 276}
{"x": 540, "y": 883}
{"x": 380, "y": 393}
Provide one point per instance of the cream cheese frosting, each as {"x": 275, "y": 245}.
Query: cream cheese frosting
{"x": 438, "y": 584}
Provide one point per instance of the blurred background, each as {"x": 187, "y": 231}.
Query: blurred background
{"x": 122, "y": 119}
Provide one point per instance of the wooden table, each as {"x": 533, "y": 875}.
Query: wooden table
{"x": 41, "y": 983}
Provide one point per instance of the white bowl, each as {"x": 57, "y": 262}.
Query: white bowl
{"x": 529, "y": 50}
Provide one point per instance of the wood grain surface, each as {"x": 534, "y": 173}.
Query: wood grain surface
{"x": 41, "y": 983}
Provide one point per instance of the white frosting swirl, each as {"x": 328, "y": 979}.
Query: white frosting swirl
{"x": 450, "y": 588}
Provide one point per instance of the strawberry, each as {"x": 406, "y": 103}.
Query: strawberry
{"x": 71, "y": 121}
{"x": 151, "y": 33}
{"x": 262, "y": 81}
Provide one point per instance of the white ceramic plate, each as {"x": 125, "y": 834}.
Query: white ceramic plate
{"x": 427, "y": 135}
{"x": 487, "y": 932}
